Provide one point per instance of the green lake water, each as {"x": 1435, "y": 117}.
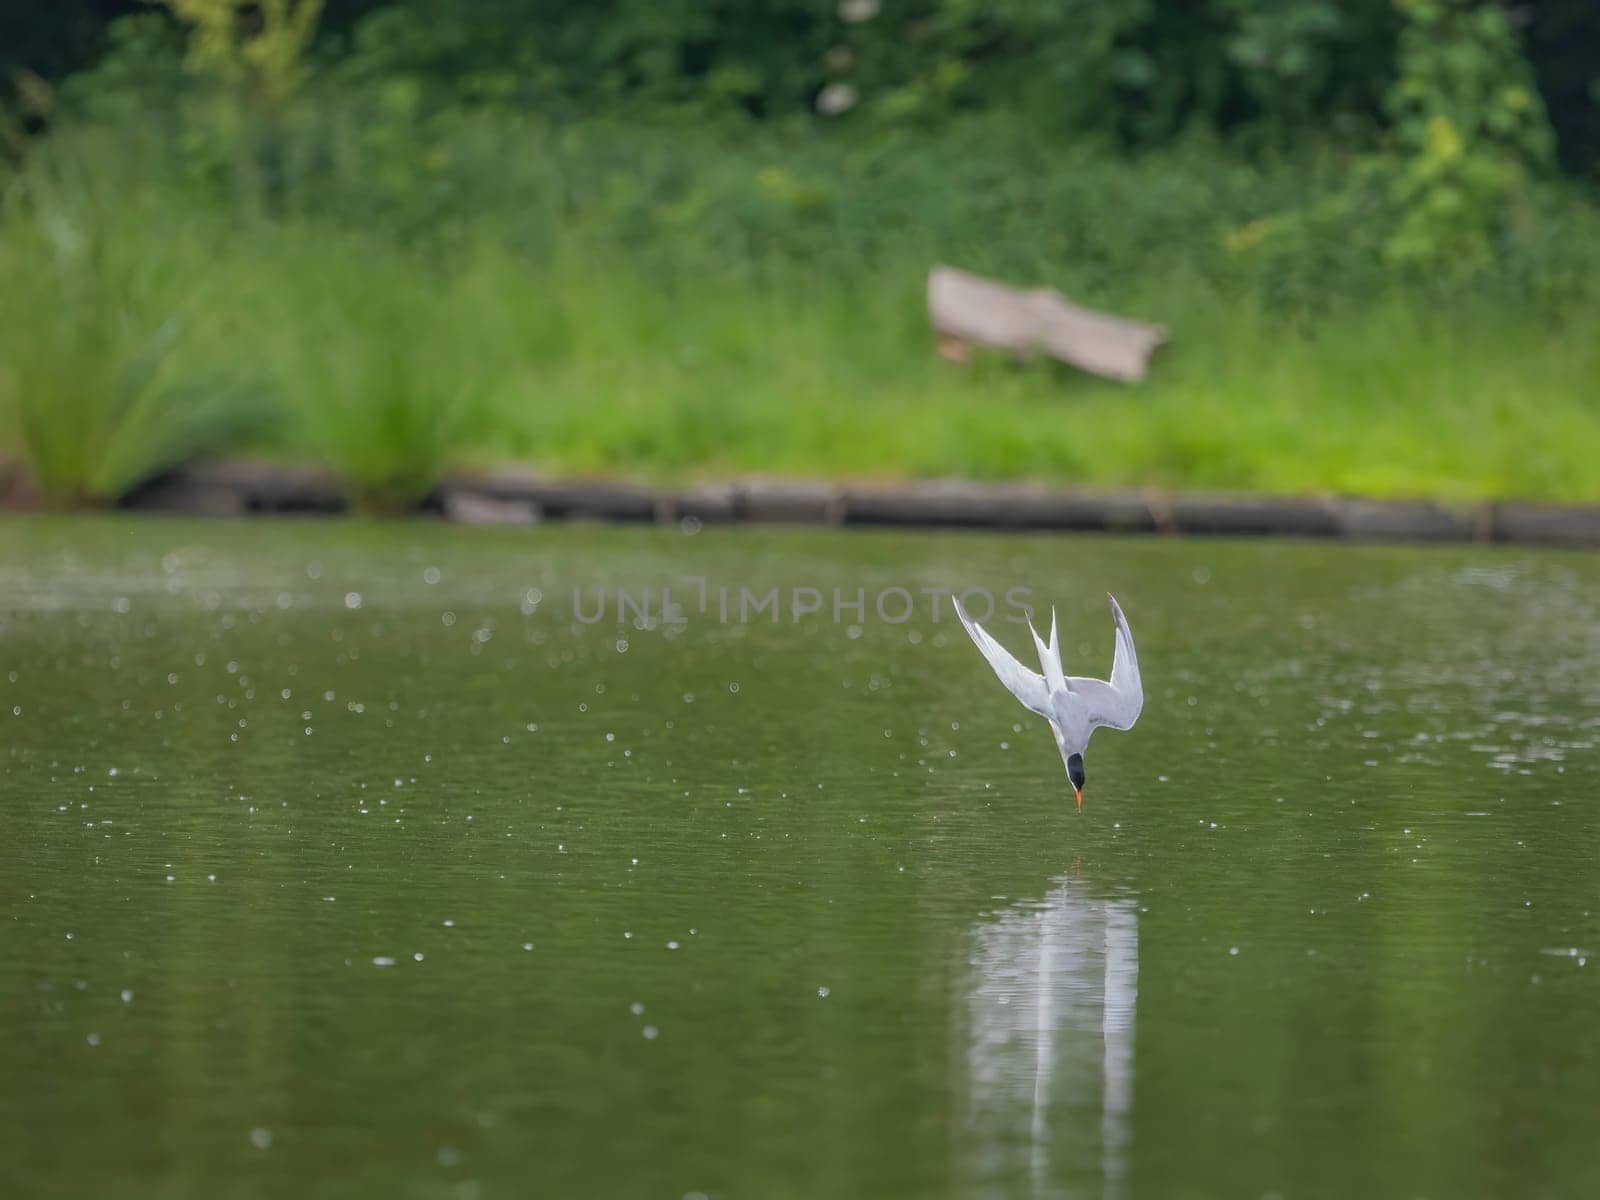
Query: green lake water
{"x": 344, "y": 859}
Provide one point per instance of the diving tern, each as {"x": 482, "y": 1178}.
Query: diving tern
{"x": 1075, "y": 706}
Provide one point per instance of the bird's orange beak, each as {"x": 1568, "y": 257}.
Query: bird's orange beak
{"x": 1080, "y": 799}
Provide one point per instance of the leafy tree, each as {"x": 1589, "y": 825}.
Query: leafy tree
{"x": 1468, "y": 125}
{"x": 259, "y": 46}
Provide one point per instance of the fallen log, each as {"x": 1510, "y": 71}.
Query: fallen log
{"x": 968, "y": 310}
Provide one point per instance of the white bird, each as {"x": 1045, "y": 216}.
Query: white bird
{"x": 1075, "y": 706}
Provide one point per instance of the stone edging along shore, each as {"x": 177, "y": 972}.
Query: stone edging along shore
{"x": 233, "y": 488}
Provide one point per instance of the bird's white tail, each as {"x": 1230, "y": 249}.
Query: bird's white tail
{"x": 1050, "y": 656}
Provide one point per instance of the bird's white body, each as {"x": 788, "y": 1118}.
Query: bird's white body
{"x": 1074, "y": 705}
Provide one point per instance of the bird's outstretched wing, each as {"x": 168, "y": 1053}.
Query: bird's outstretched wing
{"x": 1024, "y": 684}
{"x": 1116, "y": 704}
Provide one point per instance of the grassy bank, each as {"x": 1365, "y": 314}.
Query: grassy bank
{"x": 681, "y": 303}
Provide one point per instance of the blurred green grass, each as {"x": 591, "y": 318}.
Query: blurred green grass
{"x": 112, "y": 360}
{"x": 1387, "y": 401}
{"x": 684, "y": 303}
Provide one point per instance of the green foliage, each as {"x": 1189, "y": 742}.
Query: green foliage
{"x": 106, "y": 339}
{"x": 1388, "y": 401}
{"x": 1143, "y": 70}
{"x": 436, "y": 276}
{"x": 1468, "y": 126}
{"x": 1276, "y": 71}
{"x": 380, "y": 359}
{"x": 257, "y": 46}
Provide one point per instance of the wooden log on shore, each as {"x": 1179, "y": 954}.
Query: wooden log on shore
{"x": 968, "y": 310}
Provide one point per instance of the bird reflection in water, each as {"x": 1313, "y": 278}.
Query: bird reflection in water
{"x": 1050, "y": 1042}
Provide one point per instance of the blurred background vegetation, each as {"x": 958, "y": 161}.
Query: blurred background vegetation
{"x": 678, "y": 238}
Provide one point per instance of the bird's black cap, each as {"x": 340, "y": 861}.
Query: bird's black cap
{"x": 1075, "y": 771}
